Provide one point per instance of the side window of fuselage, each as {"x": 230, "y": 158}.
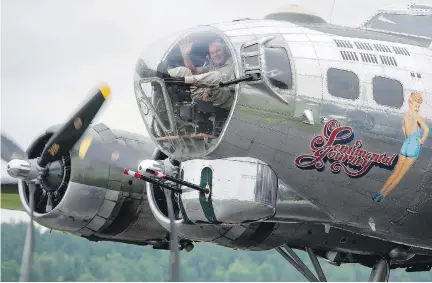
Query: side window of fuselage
{"x": 343, "y": 84}
{"x": 278, "y": 67}
{"x": 387, "y": 92}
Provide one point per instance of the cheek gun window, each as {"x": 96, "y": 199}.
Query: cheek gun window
{"x": 278, "y": 67}
{"x": 343, "y": 84}
{"x": 387, "y": 92}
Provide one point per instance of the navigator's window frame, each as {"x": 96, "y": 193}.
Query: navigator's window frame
{"x": 399, "y": 92}
{"x": 338, "y": 92}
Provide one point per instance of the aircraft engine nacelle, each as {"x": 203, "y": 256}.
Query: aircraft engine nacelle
{"x": 241, "y": 190}
{"x": 90, "y": 198}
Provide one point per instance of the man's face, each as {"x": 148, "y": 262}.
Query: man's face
{"x": 217, "y": 53}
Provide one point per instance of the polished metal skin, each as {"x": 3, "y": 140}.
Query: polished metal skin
{"x": 277, "y": 126}
{"x": 243, "y": 190}
{"x": 262, "y": 127}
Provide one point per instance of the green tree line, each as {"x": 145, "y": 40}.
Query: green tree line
{"x": 63, "y": 257}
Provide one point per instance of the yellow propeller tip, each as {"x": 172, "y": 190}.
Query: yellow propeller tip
{"x": 105, "y": 90}
{"x": 84, "y": 146}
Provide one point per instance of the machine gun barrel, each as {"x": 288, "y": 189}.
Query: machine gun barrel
{"x": 248, "y": 77}
{"x": 151, "y": 180}
{"x": 178, "y": 181}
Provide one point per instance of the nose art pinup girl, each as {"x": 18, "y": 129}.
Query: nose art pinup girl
{"x": 412, "y": 126}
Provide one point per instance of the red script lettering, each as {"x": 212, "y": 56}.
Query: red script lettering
{"x": 333, "y": 146}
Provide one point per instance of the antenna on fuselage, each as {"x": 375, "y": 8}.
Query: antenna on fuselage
{"x": 331, "y": 12}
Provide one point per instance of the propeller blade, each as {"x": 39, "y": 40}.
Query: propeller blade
{"x": 26, "y": 263}
{"x": 111, "y": 154}
{"x": 174, "y": 243}
{"x": 10, "y": 150}
{"x": 64, "y": 139}
{"x": 49, "y": 205}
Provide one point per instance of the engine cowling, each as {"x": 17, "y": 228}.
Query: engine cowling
{"x": 91, "y": 199}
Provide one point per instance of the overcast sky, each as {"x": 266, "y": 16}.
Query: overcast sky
{"x": 53, "y": 52}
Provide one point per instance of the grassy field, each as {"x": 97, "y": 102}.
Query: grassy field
{"x": 9, "y": 197}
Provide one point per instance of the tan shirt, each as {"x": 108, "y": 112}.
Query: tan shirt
{"x": 211, "y": 76}
{"x": 227, "y": 69}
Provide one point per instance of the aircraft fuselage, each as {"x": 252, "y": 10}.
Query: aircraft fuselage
{"x": 327, "y": 118}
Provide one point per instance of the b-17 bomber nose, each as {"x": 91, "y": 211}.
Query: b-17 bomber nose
{"x": 185, "y": 88}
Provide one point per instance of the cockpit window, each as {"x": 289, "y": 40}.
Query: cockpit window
{"x": 182, "y": 103}
{"x": 278, "y": 67}
{"x": 420, "y": 7}
{"x": 418, "y": 25}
